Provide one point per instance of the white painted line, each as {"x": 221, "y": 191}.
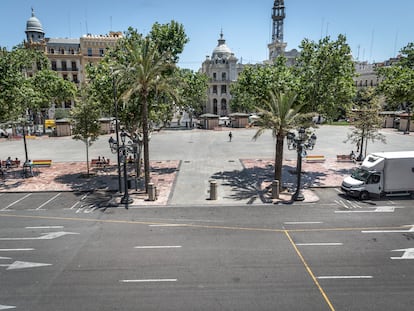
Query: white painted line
{"x": 45, "y": 227}
{"x": 74, "y": 205}
{"x": 168, "y": 225}
{"x": 48, "y": 201}
{"x": 24, "y": 265}
{"x": 302, "y": 222}
{"x": 378, "y": 209}
{"x": 3, "y": 307}
{"x": 45, "y": 236}
{"x": 329, "y": 277}
{"x": 148, "y": 281}
{"x": 319, "y": 244}
{"x": 15, "y": 202}
{"x": 408, "y": 253}
{"x": 16, "y": 249}
{"x": 157, "y": 247}
{"x": 5, "y": 258}
{"x": 390, "y": 231}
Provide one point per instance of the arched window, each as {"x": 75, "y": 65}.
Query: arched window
{"x": 215, "y": 106}
{"x": 223, "y": 105}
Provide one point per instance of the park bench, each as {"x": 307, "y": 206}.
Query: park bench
{"x": 315, "y": 158}
{"x": 14, "y": 163}
{"x": 99, "y": 163}
{"x": 344, "y": 158}
{"x": 42, "y": 163}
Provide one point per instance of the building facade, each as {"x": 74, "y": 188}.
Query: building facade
{"x": 69, "y": 56}
{"x": 222, "y": 69}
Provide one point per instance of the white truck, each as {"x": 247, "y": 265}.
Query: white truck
{"x": 383, "y": 173}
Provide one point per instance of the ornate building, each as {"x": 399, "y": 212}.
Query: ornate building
{"x": 222, "y": 69}
{"x": 278, "y": 46}
{"x": 69, "y": 56}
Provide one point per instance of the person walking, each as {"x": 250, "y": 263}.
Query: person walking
{"x": 230, "y": 136}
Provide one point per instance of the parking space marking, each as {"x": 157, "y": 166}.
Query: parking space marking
{"x": 15, "y": 202}
{"x": 408, "y": 253}
{"x": 308, "y": 269}
{"x": 48, "y": 201}
{"x": 4, "y": 307}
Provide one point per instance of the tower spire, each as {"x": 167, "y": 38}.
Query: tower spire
{"x": 278, "y": 16}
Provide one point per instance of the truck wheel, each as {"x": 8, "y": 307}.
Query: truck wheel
{"x": 364, "y": 195}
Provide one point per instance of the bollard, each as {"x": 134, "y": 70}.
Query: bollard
{"x": 275, "y": 189}
{"x": 152, "y": 192}
{"x": 213, "y": 190}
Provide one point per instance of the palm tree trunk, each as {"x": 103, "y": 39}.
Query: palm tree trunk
{"x": 145, "y": 141}
{"x": 279, "y": 158}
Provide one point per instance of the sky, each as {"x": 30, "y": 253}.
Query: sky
{"x": 375, "y": 29}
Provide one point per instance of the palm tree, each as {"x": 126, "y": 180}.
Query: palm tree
{"x": 280, "y": 113}
{"x": 144, "y": 75}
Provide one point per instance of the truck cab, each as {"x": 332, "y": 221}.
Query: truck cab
{"x": 362, "y": 183}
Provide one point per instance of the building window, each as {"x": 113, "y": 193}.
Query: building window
{"x": 65, "y": 77}
{"x": 52, "y": 51}
{"x": 74, "y": 66}
{"x": 62, "y": 51}
{"x": 214, "y": 76}
{"x": 54, "y": 67}
{"x": 101, "y": 52}
{"x": 223, "y": 105}
{"x": 223, "y": 76}
{"x": 68, "y": 104}
{"x": 75, "y": 79}
{"x": 89, "y": 51}
{"x": 64, "y": 65}
{"x": 223, "y": 89}
{"x": 215, "y": 106}
{"x": 214, "y": 89}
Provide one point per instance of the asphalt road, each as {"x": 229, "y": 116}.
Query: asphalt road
{"x": 68, "y": 251}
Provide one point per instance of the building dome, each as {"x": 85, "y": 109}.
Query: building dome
{"x": 33, "y": 24}
{"x": 221, "y": 50}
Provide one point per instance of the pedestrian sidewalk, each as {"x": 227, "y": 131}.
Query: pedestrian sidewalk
{"x": 247, "y": 181}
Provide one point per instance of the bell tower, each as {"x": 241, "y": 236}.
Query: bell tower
{"x": 277, "y": 46}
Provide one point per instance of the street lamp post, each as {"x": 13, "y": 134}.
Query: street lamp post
{"x": 123, "y": 152}
{"x": 117, "y": 131}
{"x": 300, "y": 142}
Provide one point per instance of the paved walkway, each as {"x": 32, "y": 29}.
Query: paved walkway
{"x": 245, "y": 181}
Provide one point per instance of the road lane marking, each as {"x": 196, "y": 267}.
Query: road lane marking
{"x": 333, "y": 277}
{"x": 408, "y": 253}
{"x": 48, "y": 201}
{"x": 25, "y": 265}
{"x": 5, "y": 258}
{"x": 16, "y": 249}
{"x": 4, "y": 307}
{"x": 45, "y": 227}
{"x": 168, "y": 225}
{"x": 157, "y": 247}
{"x": 302, "y": 222}
{"x": 213, "y": 227}
{"x": 15, "y": 202}
{"x": 378, "y": 209}
{"x": 319, "y": 244}
{"x": 148, "y": 280}
{"x": 45, "y": 236}
{"x": 390, "y": 231}
{"x": 315, "y": 281}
